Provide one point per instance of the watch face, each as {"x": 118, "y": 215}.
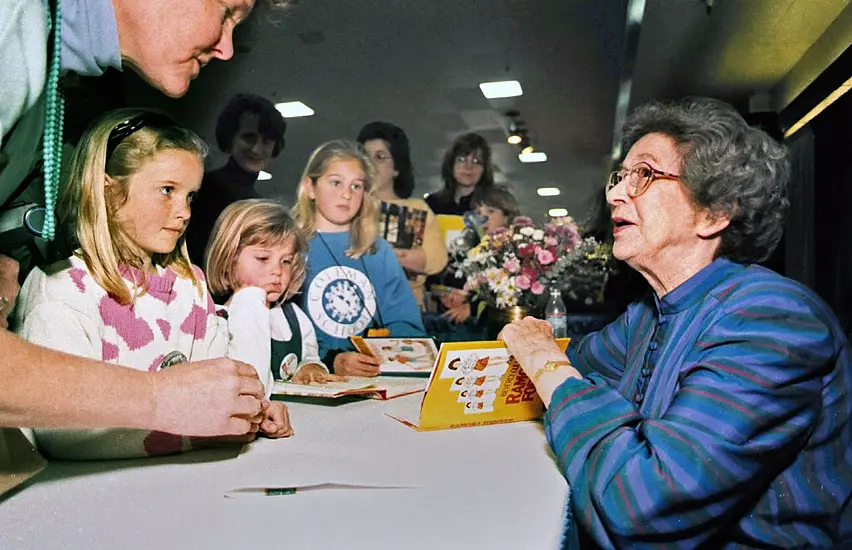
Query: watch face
{"x": 553, "y": 365}
{"x": 173, "y": 358}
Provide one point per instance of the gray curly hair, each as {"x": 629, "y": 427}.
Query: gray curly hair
{"x": 728, "y": 167}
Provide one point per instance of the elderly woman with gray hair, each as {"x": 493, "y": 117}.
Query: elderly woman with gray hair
{"x": 716, "y": 410}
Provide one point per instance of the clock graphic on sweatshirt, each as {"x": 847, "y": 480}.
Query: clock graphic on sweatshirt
{"x": 341, "y": 301}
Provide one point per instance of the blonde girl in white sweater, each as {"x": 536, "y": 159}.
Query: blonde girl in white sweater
{"x": 129, "y": 294}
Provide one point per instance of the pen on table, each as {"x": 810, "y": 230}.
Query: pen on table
{"x": 278, "y": 491}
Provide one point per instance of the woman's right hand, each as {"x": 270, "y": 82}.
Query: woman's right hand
{"x": 528, "y": 338}
{"x": 352, "y": 363}
{"x": 9, "y": 288}
{"x": 228, "y": 392}
{"x": 530, "y": 341}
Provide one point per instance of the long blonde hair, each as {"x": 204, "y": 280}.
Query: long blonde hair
{"x": 363, "y": 227}
{"x": 247, "y": 223}
{"x": 89, "y": 206}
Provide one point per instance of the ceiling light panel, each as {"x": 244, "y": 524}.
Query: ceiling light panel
{"x": 294, "y": 109}
{"x": 537, "y": 156}
{"x": 496, "y": 90}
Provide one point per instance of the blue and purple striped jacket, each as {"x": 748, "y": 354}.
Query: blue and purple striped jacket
{"x": 719, "y": 415}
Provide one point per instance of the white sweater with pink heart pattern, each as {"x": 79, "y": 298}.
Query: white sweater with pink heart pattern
{"x": 62, "y": 307}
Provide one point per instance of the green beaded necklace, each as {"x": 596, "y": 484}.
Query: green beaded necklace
{"x": 54, "y": 115}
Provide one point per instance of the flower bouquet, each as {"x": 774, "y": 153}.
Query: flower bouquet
{"x": 515, "y": 266}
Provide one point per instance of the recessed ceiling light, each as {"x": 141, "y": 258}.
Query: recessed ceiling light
{"x": 425, "y": 195}
{"x": 527, "y": 150}
{"x": 538, "y": 156}
{"x": 496, "y": 90}
{"x": 294, "y": 109}
{"x": 263, "y": 176}
{"x": 557, "y": 212}
{"x": 514, "y": 139}
{"x": 548, "y": 191}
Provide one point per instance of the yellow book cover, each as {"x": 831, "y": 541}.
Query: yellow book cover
{"x": 474, "y": 384}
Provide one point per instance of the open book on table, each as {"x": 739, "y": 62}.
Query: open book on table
{"x": 400, "y": 355}
{"x": 382, "y": 387}
{"x": 473, "y": 384}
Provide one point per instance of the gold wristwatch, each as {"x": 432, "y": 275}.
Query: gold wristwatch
{"x": 550, "y": 366}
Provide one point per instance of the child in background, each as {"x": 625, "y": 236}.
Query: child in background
{"x": 129, "y": 294}
{"x": 255, "y": 260}
{"x": 354, "y": 282}
{"x": 496, "y": 205}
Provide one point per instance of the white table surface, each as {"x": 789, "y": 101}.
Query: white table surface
{"x": 492, "y": 487}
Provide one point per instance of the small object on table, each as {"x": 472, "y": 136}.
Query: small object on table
{"x": 279, "y": 491}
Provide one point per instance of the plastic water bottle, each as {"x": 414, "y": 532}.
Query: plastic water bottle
{"x": 556, "y": 314}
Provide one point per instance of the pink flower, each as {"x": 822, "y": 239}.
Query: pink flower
{"x": 526, "y": 251}
{"x": 529, "y": 272}
{"x": 550, "y": 241}
{"x": 537, "y": 288}
{"x": 523, "y": 282}
{"x": 522, "y": 221}
{"x": 545, "y": 257}
{"x": 513, "y": 265}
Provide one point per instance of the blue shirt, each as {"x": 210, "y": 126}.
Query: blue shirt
{"x": 345, "y": 297}
{"x": 718, "y": 414}
{"x": 89, "y": 37}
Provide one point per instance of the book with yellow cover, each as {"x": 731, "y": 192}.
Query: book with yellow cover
{"x": 473, "y": 384}
{"x": 382, "y": 387}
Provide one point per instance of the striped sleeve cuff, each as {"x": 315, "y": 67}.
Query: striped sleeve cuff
{"x": 581, "y": 414}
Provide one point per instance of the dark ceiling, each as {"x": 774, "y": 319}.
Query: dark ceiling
{"x": 418, "y": 64}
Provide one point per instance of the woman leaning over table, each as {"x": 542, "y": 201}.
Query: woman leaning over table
{"x": 715, "y": 410}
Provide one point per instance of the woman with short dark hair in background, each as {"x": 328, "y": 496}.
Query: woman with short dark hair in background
{"x": 407, "y": 224}
{"x": 251, "y": 131}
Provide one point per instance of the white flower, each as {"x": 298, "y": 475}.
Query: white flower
{"x": 517, "y": 237}
{"x": 527, "y": 231}
{"x": 538, "y": 234}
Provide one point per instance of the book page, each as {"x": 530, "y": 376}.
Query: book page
{"x": 381, "y": 387}
{"x": 353, "y": 386}
{"x": 397, "y": 386}
{"x": 399, "y": 355}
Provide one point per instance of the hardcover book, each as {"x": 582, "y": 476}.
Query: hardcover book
{"x": 473, "y": 384}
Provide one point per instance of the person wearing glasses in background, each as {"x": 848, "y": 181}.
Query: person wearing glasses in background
{"x": 466, "y": 168}
{"x": 416, "y": 240}
{"x": 716, "y": 410}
